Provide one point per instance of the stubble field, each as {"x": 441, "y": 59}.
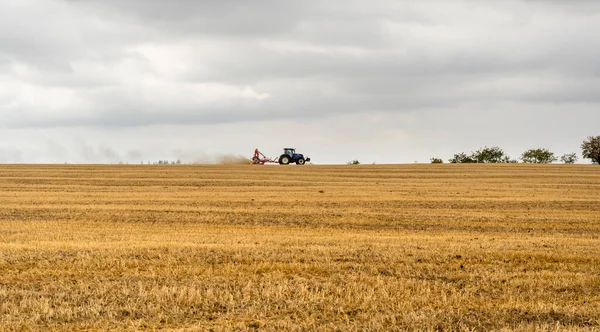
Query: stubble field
{"x": 241, "y": 247}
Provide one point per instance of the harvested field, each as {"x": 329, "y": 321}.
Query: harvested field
{"x": 369, "y": 247}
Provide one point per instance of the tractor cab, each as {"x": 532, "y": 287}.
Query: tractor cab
{"x": 289, "y": 151}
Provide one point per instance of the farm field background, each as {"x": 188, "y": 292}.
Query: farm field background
{"x": 367, "y": 247}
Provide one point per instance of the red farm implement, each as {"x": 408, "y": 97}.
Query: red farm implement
{"x": 260, "y": 159}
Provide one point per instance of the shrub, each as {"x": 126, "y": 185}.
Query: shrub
{"x": 538, "y": 156}
{"x": 461, "y": 158}
{"x": 569, "y": 158}
{"x": 489, "y": 155}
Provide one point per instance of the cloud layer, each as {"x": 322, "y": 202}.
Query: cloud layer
{"x": 385, "y": 81}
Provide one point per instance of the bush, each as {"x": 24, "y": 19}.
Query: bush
{"x": 461, "y": 158}
{"x": 484, "y": 155}
{"x": 353, "y": 162}
{"x": 437, "y": 161}
{"x": 569, "y": 158}
{"x": 489, "y": 155}
{"x": 538, "y": 156}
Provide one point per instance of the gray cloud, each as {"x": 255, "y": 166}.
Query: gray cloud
{"x": 95, "y": 66}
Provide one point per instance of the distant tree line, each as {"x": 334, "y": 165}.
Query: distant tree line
{"x": 590, "y": 150}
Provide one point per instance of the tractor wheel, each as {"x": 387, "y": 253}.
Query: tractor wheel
{"x": 255, "y": 160}
{"x": 284, "y": 160}
{"x": 300, "y": 161}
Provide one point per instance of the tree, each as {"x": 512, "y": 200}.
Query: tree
{"x": 353, "y": 162}
{"x": 538, "y": 156}
{"x": 591, "y": 149}
{"x": 489, "y": 155}
{"x": 461, "y": 158}
{"x": 437, "y": 161}
{"x": 569, "y": 158}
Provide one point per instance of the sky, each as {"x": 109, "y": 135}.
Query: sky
{"x": 106, "y": 81}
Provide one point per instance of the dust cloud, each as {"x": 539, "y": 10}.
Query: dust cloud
{"x": 222, "y": 159}
{"x": 232, "y": 160}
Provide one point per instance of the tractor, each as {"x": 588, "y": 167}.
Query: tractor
{"x": 290, "y": 156}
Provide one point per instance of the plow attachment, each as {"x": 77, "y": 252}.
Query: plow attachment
{"x": 260, "y": 159}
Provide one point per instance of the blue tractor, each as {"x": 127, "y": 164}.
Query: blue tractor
{"x": 290, "y": 156}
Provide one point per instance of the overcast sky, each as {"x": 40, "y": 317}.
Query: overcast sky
{"x": 99, "y": 81}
